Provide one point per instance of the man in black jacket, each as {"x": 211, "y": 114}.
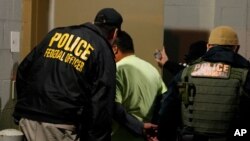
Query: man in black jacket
{"x": 210, "y": 99}
{"x": 67, "y": 82}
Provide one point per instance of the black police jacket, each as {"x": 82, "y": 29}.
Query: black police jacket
{"x": 69, "y": 77}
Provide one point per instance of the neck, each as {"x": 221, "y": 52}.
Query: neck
{"x": 119, "y": 56}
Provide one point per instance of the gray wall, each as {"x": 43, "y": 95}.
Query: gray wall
{"x": 203, "y": 15}
{"x": 10, "y": 20}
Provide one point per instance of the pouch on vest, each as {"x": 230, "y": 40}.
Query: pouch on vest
{"x": 187, "y": 92}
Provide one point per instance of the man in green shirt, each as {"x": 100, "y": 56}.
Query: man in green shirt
{"x": 138, "y": 85}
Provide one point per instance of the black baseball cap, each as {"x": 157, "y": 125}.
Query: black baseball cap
{"x": 109, "y": 16}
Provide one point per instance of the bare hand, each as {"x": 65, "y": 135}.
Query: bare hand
{"x": 151, "y": 131}
{"x": 163, "y": 59}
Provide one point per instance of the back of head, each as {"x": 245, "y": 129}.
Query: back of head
{"x": 196, "y": 50}
{"x": 108, "y": 19}
{"x": 223, "y": 35}
{"x": 124, "y": 42}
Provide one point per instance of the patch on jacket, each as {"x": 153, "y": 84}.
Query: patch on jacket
{"x": 214, "y": 70}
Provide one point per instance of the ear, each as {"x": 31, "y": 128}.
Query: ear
{"x": 115, "y": 49}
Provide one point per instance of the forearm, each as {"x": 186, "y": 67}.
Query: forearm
{"x": 128, "y": 121}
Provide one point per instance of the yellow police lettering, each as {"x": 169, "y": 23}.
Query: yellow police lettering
{"x": 56, "y": 37}
{"x": 71, "y": 59}
{"x": 47, "y": 52}
{"x": 78, "y": 50}
{"x": 72, "y": 47}
{"x": 60, "y": 55}
{"x": 63, "y": 40}
{"x": 69, "y": 49}
{"x": 66, "y": 60}
{"x": 78, "y": 64}
{"x": 87, "y": 52}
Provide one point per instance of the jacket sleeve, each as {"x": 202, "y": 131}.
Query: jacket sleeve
{"x": 23, "y": 70}
{"x": 21, "y": 76}
{"x": 169, "y": 70}
{"x": 170, "y": 113}
{"x": 173, "y": 67}
{"x": 102, "y": 79}
{"x": 128, "y": 121}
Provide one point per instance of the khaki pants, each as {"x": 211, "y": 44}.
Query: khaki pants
{"x": 41, "y": 131}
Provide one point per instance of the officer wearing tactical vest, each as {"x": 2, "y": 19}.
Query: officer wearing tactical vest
{"x": 209, "y": 100}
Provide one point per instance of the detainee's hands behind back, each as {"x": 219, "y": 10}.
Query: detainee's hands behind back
{"x": 150, "y": 131}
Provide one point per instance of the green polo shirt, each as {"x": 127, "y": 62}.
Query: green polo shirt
{"x": 138, "y": 83}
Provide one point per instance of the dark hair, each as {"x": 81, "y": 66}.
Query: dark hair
{"x": 196, "y": 50}
{"x": 124, "y": 42}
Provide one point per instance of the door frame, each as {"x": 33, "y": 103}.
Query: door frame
{"x": 34, "y": 24}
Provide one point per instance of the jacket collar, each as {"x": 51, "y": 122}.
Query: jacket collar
{"x": 225, "y": 55}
